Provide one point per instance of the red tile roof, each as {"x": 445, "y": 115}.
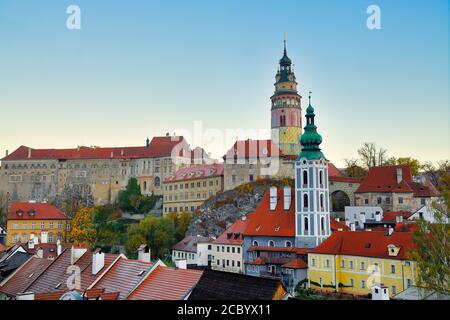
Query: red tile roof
{"x": 366, "y": 244}
{"x": 49, "y": 250}
{"x": 252, "y": 149}
{"x": 166, "y": 284}
{"x": 295, "y": 264}
{"x": 234, "y": 234}
{"x": 189, "y": 243}
{"x": 24, "y": 276}
{"x": 384, "y": 179}
{"x": 56, "y": 272}
{"x": 158, "y": 147}
{"x": 48, "y": 296}
{"x": 265, "y": 248}
{"x": 333, "y": 171}
{"x": 196, "y": 172}
{"x": 123, "y": 276}
{"x": 34, "y": 210}
{"x": 336, "y": 225}
{"x": 278, "y": 222}
{"x": 257, "y": 262}
{"x": 391, "y": 215}
{"x": 3, "y": 247}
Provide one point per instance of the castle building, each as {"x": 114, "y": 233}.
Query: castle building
{"x": 286, "y": 109}
{"x": 94, "y": 175}
{"x": 312, "y": 218}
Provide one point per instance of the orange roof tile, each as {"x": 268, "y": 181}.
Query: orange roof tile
{"x": 336, "y": 225}
{"x": 295, "y": 264}
{"x": 252, "y": 149}
{"x": 366, "y": 244}
{"x": 123, "y": 276}
{"x": 234, "y": 234}
{"x": 25, "y": 275}
{"x": 278, "y": 222}
{"x": 51, "y": 296}
{"x": 392, "y": 215}
{"x": 166, "y": 284}
{"x": 34, "y": 210}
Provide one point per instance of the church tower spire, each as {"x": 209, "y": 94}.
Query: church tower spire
{"x": 312, "y": 217}
{"x": 286, "y": 108}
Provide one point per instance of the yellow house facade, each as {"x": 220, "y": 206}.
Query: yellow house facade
{"x": 353, "y": 261}
{"x": 28, "y": 220}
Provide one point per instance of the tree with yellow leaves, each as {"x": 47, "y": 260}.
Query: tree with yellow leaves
{"x": 82, "y": 227}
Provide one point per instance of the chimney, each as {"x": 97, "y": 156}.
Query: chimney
{"x": 44, "y": 236}
{"x": 377, "y": 216}
{"x": 273, "y": 198}
{"x": 352, "y": 226}
{"x": 112, "y": 154}
{"x": 399, "y": 219}
{"x": 399, "y": 175}
{"x": 390, "y": 231}
{"x": 98, "y": 261}
{"x": 121, "y": 152}
{"x": 76, "y": 253}
{"x": 58, "y": 247}
{"x": 29, "y": 153}
{"x": 362, "y": 217}
{"x": 181, "y": 264}
{"x": 31, "y": 244}
{"x": 25, "y": 296}
{"x": 6, "y": 153}
{"x": 40, "y": 252}
{"x": 287, "y": 197}
{"x": 144, "y": 253}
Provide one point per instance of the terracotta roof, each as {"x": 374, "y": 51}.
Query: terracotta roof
{"x": 49, "y": 250}
{"x": 34, "y": 210}
{"x": 295, "y": 264}
{"x": 218, "y": 285}
{"x": 50, "y": 296}
{"x": 333, "y": 171}
{"x": 263, "y": 248}
{"x": 189, "y": 243}
{"x": 54, "y": 278}
{"x": 158, "y": 147}
{"x": 252, "y": 149}
{"x": 166, "y": 284}
{"x": 196, "y": 172}
{"x": 278, "y": 222}
{"x": 234, "y": 234}
{"x": 392, "y": 215}
{"x": 123, "y": 276}
{"x": 384, "y": 179}
{"x": 366, "y": 244}
{"x": 25, "y": 275}
{"x": 336, "y": 225}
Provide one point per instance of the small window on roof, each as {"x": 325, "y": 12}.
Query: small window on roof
{"x": 368, "y": 245}
{"x": 58, "y": 285}
{"x": 30, "y": 275}
{"x": 229, "y": 235}
{"x": 141, "y": 273}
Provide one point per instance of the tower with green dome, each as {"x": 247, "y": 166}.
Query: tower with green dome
{"x": 312, "y": 219}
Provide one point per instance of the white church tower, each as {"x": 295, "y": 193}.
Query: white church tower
{"x": 312, "y": 218}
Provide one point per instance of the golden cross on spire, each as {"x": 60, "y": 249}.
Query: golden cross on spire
{"x": 285, "y": 39}
{"x": 309, "y": 97}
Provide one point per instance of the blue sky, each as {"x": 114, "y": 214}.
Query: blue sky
{"x": 144, "y": 68}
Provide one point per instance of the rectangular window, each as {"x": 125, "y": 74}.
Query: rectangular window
{"x": 366, "y": 201}
{"x": 351, "y": 264}
{"x": 313, "y": 262}
{"x": 379, "y": 200}
{"x": 394, "y": 290}
{"x": 408, "y": 283}
{"x": 60, "y": 225}
{"x": 400, "y": 200}
{"x": 327, "y": 263}
{"x": 343, "y": 264}
{"x": 228, "y": 249}
{"x": 50, "y": 225}
{"x": 352, "y": 282}
{"x": 363, "y": 284}
{"x": 233, "y": 249}
{"x": 238, "y": 250}
{"x": 42, "y": 225}
{"x": 363, "y": 266}
{"x": 393, "y": 268}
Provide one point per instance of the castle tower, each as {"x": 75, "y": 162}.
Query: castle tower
{"x": 286, "y": 109}
{"x": 312, "y": 218}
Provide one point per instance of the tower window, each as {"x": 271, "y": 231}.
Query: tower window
{"x": 321, "y": 177}
{"x": 305, "y": 201}
{"x": 322, "y": 224}
{"x": 321, "y": 201}
{"x": 306, "y": 227}
{"x": 305, "y": 177}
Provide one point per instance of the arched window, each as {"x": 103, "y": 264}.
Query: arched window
{"x": 305, "y": 200}
{"x": 306, "y": 224}
{"x": 145, "y": 185}
{"x": 322, "y": 224}
{"x": 305, "y": 177}
{"x": 288, "y": 244}
{"x": 321, "y": 201}
{"x": 157, "y": 182}
{"x": 271, "y": 243}
{"x": 321, "y": 177}
{"x": 255, "y": 243}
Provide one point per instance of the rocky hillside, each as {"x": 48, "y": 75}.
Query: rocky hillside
{"x": 219, "y": 212}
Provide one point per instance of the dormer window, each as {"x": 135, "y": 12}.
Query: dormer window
{"x": 393, "y": 250}
{"x": 31, "y": 213}
{"x": 271, "y": 243}
{"x": 19, "y": 213}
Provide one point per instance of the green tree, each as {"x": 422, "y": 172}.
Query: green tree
{"x": 371, "y": 156}
{"x": 432, "y": 247}
{"x": 353, "y": 169}
{"x": 414, "y": 164}
{"x": 129, "y": 198}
